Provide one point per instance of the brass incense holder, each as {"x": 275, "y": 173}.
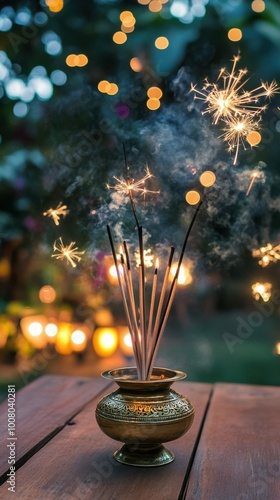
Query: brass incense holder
{"x": 143, "y": 414}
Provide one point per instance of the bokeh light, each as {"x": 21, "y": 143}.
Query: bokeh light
{"x": 161, "y": 43}
{"x": 184, "y": 277}
{"x": 207, "y": 178}
{"x": 47, "y": 294}
{"x": 258, "y": 6}
{"x": 235, "y": 34}
{"x": 135, "y": 64}
{"x": 153, "y": 104}
{"x": 155, "y": 6}
{"x": 51, "y": 330}
{"x": 119, "y": 37}
{"x": 105, "y": 341}
{"x": 154, "y": 93}
{"x": 254, "y": 138}
{"x": 35, "y": 328}
{"x": 192, "y": 197}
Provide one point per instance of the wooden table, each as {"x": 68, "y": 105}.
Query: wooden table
{"x": 232, "y": 451}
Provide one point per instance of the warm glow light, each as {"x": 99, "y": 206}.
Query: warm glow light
{"x": 192, "y": 197}
{"x": 136, "y": 65}
{"x": 119, "y": 37}
{"x": 155, "y": 6}
{"x": 78, "y": 340}
{"x": 103, "y": 86}
{"x": 144, "y": 2}
{"x": 103, "y": 317}
{"x": 185, "y": 277}
{"x": 126, "y": 14}
{"x": 262, "y": 290}
{"x": 254, "y": 138}
{"x": 258, "y": 6}
{"x": 32, "y": 328}
{"x": 83, "y": 60}
{"x": 277, "y": 348}
{"x": 63, "y": 339}
{"x": 267, "y": 254}
{"x": 207, "y": 178}
{"x": 161, "y": 42}
{"x": 55, "y": 5}
{"x": 153, "y": 104}
{"x": 125, "y": 341}
{"x": 128, "y": 21}
{"x": 105, "y": 341}
{"x": 148, "y": 258}
{"x": 154, "y": 93}
{"x": 127, "y": 29}
{"x": 51, "y": 330}
{"x": 235, "y": 34}
{"x": 113, "y": 90}
{"x": 35, "y": 328}
{"x": 47, "y": 294}
{"x": 78, "y": 337}
{"x": 71, "y": 60}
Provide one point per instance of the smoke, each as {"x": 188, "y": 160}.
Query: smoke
{"x": 178, "y": 143}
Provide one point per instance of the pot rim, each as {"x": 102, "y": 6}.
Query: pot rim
{"x": 128, "y": 375}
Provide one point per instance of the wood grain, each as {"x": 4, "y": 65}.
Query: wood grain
{"x": 42, "y": 409}
{"x": 78, "y": 463}
{"x": 238, "y": 456}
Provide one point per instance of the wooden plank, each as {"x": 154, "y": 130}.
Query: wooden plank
{"x": 78, "y": 463}
{"x": 42, "y": 408}
{"x": 238, "y": 457}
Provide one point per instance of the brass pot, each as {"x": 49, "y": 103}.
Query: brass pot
{"x": 143, "y": 414}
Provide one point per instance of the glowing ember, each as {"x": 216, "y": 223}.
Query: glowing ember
{"x": 267, "y": 254}
{"x": 67, "y": 252}
{"x": 148, "y": 258}
{"x": 253, "y": 178}
{"x": 55, "y": 213}
{"x": 262, "y": 290}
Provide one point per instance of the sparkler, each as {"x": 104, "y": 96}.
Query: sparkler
{"x": 237, "y": 129}
{"x": 69, "y": 252}
{"x": 231, "y": 99}
{"x": 128, "y": 186}
{"x": 262, "y": 290}
{"x": 267, "y": 254}
{"x": 56, "y": 212}
{"x": 236, "y": 107}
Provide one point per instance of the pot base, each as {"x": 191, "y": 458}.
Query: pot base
{"x": 144, "y": 456}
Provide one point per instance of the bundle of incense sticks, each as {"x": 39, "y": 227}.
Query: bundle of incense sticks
{"x": 146, "y": 325}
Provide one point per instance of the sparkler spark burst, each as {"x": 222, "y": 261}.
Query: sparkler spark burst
{"x": 67, "y": 252}
{"x": 267, "y": 254}
{"x": 148, "y": 258}
{"x": 236, "y": 107}
{"x": 56, "y": 212}
{"x": 128, "y": 186}
{"x": 236, "y": 131}
{"x": 262, "y": 290}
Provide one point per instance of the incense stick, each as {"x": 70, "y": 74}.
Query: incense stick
{"x": 124, "y": 298}
{"x": 162, "y": 295}
{"x": 171, "y": 292}
{"x": 152, "y": 305}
